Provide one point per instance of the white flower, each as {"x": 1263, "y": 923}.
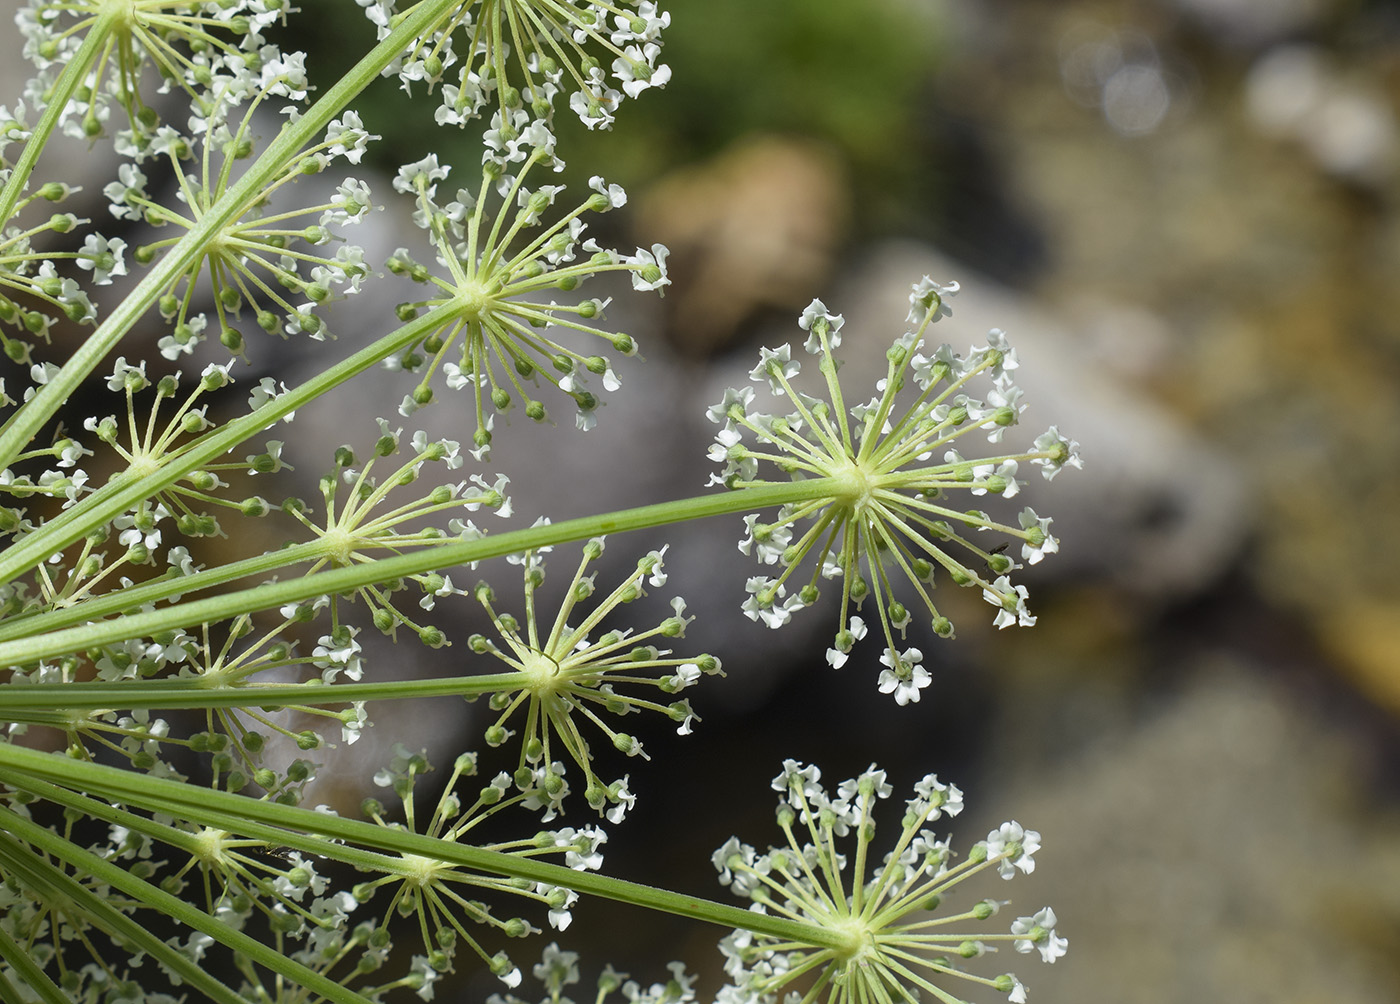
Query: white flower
{"x": 1038, "y": 543}
{"x": 763, "y": 602}
{"x": 936, "y": 797}
{"x": 1017, "y": 844}
{"x": 1012, "y": 603}
{"x": 775, "y": 366}
{"x": 996, "y": 342}
{"x": 926, "y": 293}
{"x": 905, "y": 677}
{"x": 643, "y": 26}
{"x": 353, "y": 722}
{"x": 766, "y": 542}
{"x": 351, "y": 201}
{"x": 125, "y": 192}
{"x": 637, "y": 70}
{"x": 1017, "y": 994}
{"x": 422, "y": 974}
{"x": 267, "y": 391}
{"x": 347, "y": 137}
{"x": 615, "y": 194}
{"x": 1038, "y": 932}
{"x": 1060, "y": 452}
{"x": 598, "y": 110}
{"x": 845, "y": 641}
{"x": 425, "y": 172}
{"x": 816, "y": 311}
{"x": 124, "y": 375}
{"x": 649, "y": 268}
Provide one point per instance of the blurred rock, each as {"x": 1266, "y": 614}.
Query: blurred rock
{"x": 757, "y": 227}
{"x": 1347, "y": 127}
{"x": 1364, "y": 638}
{"x": 1255, "y": 22}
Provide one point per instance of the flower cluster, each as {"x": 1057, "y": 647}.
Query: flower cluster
{"x": 186, "y": 696}
{"x": 527, "y": 52}
{"x": 563, "y": 678}
{"x": 877, "y": 936}
{"x": 360, "y": 521}
{"x": 432, "y": 890}
{"x": 141, "y": 441}
{"x": 497, "y": 273}
{"x": 30, "y": 272}
{"x": 234, "y": 742}
{"x": 262, "y": 259}
{"x": 887, "y": 510}
{"x": 244, "y": 882}
{"x": 142, "y": 33}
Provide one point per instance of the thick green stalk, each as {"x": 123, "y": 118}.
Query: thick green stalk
{"x": 34, "y": 414}
{"x": 171, "y": 906}
{"x": 210, "y": 807}
{"x": 162, "y": 587}
{"x": 369, "y": 862}
{"x": 53, "y": 885}
{"x": 64, "y": 88}
{"x": 182, "y": 692}
{"x": 26, "y": 969}
{"x": 43, "y": 644}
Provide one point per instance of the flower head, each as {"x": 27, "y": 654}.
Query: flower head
{"x": 524, "y": 53}
{"x": 364, "y": 515}
{"x": 562, "y": 676}
{"x": 141, "y": 33}
{"x": 877, "y": 935}
{"x": 893, "y": 472}
{"x": 282, "y": 265}
{"x": 437, "y": 892}
{"x": 498, "y": 273}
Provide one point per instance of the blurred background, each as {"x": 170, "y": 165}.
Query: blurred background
{"x": 1184, "y": 213}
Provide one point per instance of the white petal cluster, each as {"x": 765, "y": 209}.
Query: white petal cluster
{"x": 887, "y": 915}
{"x": 544, "y": 48}
{"x": 891, "y": 504}
{"x": 505, "y": 340}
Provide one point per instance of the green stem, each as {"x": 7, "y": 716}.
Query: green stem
{"x": 43, "y": 644}
{"x": 32, "y": 416}
{"x": 157, "y": 899}
{"x": 26, "y": 969}
{"x": 197, "y": 693}
{"x": 272, "y": 837}
{"x": 211, "y": 807}
{"x": 163, "y": 587}
{"x": 64, "y": 88}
